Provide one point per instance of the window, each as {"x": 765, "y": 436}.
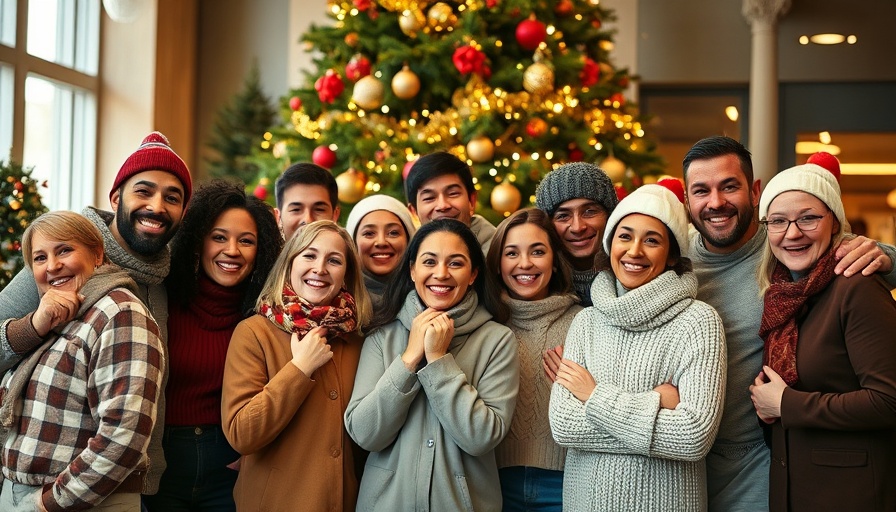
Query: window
{"x": 48, "y": 70}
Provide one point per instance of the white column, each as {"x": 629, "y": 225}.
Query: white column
{"x": 763, "y": 17}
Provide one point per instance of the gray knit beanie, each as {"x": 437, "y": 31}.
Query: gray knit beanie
{"x": 572, "y": 181}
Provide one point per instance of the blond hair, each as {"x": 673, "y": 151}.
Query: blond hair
{"x": 63, "y": 226}
{"x": 272, "y": 291}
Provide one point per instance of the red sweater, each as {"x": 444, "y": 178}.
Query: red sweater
{"x": 198, "y": 337}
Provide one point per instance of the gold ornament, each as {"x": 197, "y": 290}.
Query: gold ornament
{"x": 405, "y": 84}
{"x": 411, "y": 21}
{"x": 614, "y": 167}
{"x": 441, "y": 17}
{"x": 480, "y": 149}
{"x": 538, "y": 78}
{"x": 506, "y": 198}
{"x": 368, "y": 93}
{"x": 397, "y": 5}
{"x": 351, "y": 185}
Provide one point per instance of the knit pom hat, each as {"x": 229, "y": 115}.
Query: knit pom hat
{"x": 828, "y": 161}
{"x": 655, "y": 201}
{"x": 375, "y": 203}
{"x": 154, "y": 154}
{"x": 810, "y": 178}
{"x": 573, "y": 181}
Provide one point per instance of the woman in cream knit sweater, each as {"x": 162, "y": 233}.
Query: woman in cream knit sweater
{"x": 538, "y": 304}
{"x": 638, "y": 395}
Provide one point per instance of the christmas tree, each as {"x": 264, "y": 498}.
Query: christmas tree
{"x": 20, "y": 203}
{"x": 514, "y": 87}
{"x": 238, "y": 130}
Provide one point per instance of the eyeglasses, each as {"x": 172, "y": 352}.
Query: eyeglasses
{"x": 805, "y": 223}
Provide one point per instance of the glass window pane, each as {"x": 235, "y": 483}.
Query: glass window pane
{"x": 65, "y": 32}
{"x": 60, "y": 141}
{"x": 8, "y": 22}
{"x": 6, "y": 101}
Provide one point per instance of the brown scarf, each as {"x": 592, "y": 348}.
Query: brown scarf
{"x": 300, "y": 316}
{"x": 784, "y": 305}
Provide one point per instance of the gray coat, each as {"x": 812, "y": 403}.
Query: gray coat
{"x": 432, "y": 434}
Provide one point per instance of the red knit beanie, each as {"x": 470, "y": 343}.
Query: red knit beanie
{"x": 155, "y": 154}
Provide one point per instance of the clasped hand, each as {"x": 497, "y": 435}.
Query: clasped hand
{"x": 431, "y": 334}
{"x": 312, "y": 351}
{"x": 57, "y": 307}
{"x": 767, "y": 392}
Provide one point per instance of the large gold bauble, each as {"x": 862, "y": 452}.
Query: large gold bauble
{"x": 351, "y": 185}
{"x": 614, "y": 167}
{"x": 506, "y": 198}
{"x": 480, "y": 149}
{"x": 368, "y": 93}
{"x": 538, "y": 79}
{"x": 441, "y": 17}
{"x": 405, "y": 84}
{"x": 411, "y": 21}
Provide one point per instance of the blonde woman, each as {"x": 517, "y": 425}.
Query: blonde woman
{"x": 288, "y": 376}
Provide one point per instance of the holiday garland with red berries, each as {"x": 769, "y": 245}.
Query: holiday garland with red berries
{"x": 20, "y": 203}
{"x": 513, "y": 87}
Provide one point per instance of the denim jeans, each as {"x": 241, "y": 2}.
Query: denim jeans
{"x": 525, "y": 488}
{"x": 197, "y": 477}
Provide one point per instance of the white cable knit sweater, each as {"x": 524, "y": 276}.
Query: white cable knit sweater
{"x": 624, "y": 452}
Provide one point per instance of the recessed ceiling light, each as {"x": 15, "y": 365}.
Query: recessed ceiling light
{"x": 851, "y": 39}
{"x": 731, "y": 112}
{"x": 808, "y": 147}
{"x": 804, "y": 40}
{"x": 827, "y": 38}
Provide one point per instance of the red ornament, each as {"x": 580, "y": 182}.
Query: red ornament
{"x": 19, "y": 186}
{"x": 617, "y": 97}
{"x": 468, "y": 59}
{"x": 623, "y": 81}
{"x": 674, "y": 185}
{"x": 564, "y": 8}
{"x": 621, "y": 192}
{"x": 407, "y": 168}
{"x": 260, "y": 192}
{"x": 362, "y": 5}
{"x": 324, "y": 157}
{"x": 590, "y": 73}
{"x": 536, "y": 127}
{"x": 530, "y": 33}
{"x": 491, "y": 4}
{"x": 295, "y": 103}
{"x": 576, "y": 155}
{"x": 357, "y": 68}
{"x": 351, "y": 39}
{"x": 595, "y": 23}
{"x": 329, "y": 86}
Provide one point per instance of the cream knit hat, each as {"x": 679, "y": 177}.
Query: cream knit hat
{"x": 810, "y": 178}
{"x": 655, "y": 201}
{"x": 379, "y": 202}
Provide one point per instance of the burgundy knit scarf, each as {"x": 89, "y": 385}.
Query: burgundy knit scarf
{"x": 300, "y": 316}
{"x": 783, "y": 305}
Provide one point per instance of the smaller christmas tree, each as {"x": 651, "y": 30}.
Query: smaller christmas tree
{"x": 20, "y": 203}
{"x": 238, "y": 130}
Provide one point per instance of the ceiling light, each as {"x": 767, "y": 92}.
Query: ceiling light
{"x": 731, "y": 112}
{"x": 851, "y": 39}
{"x": 824, "y": 137}
{"x": 804, "y": 40}
{"x": 809, "y": 147}
{"x": 827, "y": 38}
{"x": 868, "y": 169}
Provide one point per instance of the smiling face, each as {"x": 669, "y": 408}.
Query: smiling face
{"x": 444, "y": 197}
{"x": 304, "y": 204}
{"x": 580, "y": 224}
{"x": 721, "y": 202}
{"x": 61, "y": 265}
{"x": 229, "y": 249}
{"x": 799, "y": 250}
{"x": 640, "y": 250}
{"x": 527, "y": 262}
{"x": 318, "y": 273}
{"x": 148, "y": 209}
{"x": 381, "y": 240}
{"x": 442, "y": 272}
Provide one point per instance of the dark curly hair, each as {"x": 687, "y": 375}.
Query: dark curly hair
{"x": 204, "y": 208}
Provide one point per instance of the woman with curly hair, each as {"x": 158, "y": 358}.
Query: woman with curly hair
{"x": 220, "y": 258}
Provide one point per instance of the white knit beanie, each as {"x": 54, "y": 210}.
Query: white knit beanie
{"x": 810, "y": 178}
{"x": 655, "y": 201}
{"x": 378, "y": 202}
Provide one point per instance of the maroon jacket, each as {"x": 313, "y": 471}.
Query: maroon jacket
{"x": 834, "y": 447}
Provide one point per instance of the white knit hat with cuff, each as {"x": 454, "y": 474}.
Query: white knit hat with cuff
{"x": 378, "y": 202}
{"x": 810, "y": 178}
{"x": 655, "y": 201}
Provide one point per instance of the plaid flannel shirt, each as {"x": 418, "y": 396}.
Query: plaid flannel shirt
{"x": 89, "y": 406}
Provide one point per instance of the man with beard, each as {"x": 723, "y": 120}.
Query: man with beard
{"x": 579, "y": 198}
{"x": 725, "y": 248}
{"x": 148, "y": 199}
